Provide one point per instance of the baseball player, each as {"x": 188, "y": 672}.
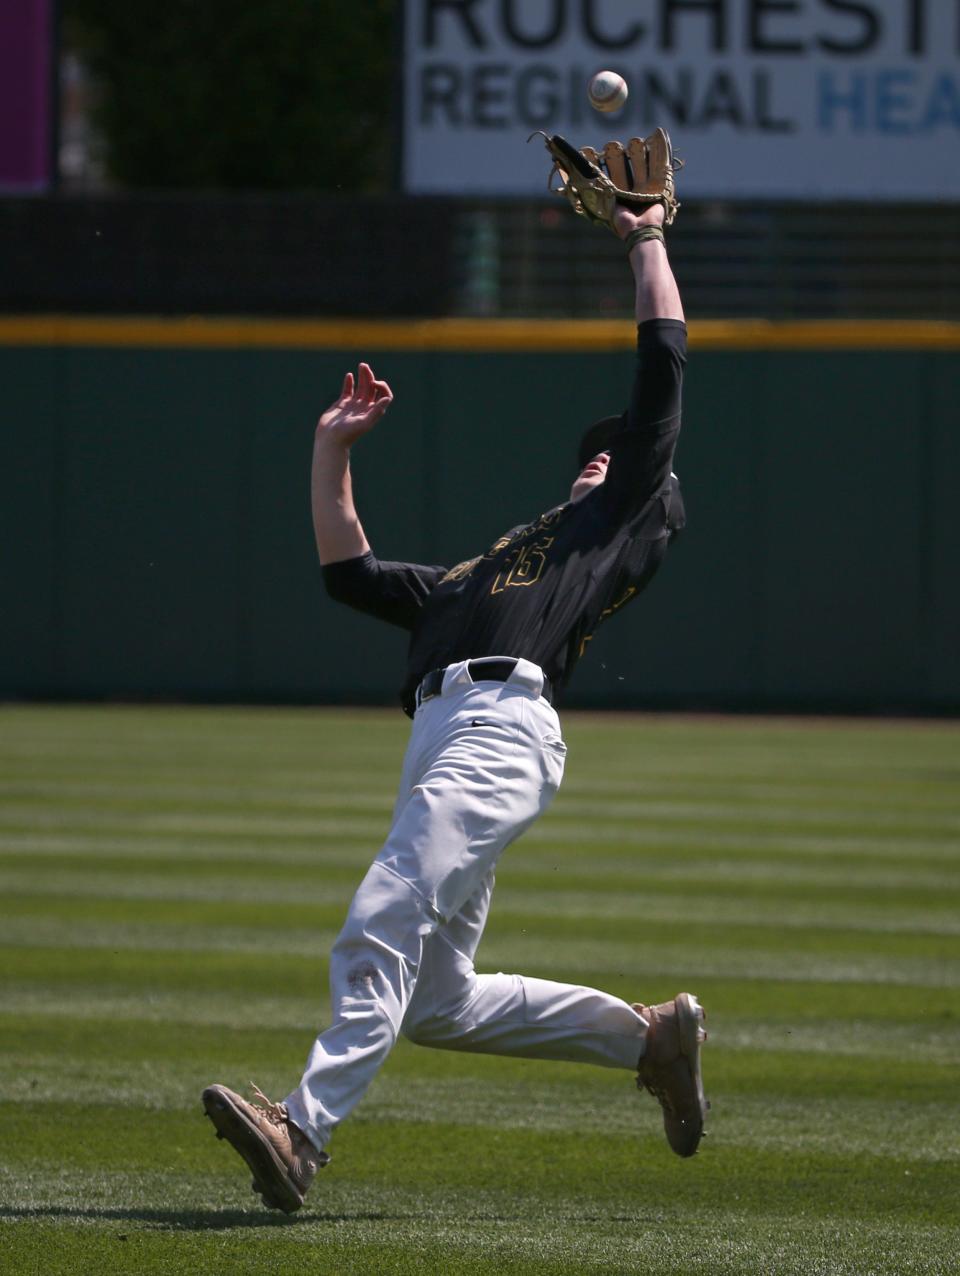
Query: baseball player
{"x": 492, "y": 640}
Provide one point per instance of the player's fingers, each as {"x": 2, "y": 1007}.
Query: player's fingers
{"x": 347, "y": 390}
{"x": 365, "y": 382}
{"x": 382, "y": 391}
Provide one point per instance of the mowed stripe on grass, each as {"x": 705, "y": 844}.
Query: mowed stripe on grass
{"x": 170, "y": 881}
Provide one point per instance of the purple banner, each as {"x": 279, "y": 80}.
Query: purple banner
{"x": 26, "y": 95}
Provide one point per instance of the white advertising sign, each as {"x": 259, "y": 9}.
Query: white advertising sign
{"x": 763, "y": 98}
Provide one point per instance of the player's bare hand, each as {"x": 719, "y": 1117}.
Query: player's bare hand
{"x": 362, "y": 402}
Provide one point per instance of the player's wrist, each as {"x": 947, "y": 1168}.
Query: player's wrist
{"x": 331, "y": 442}
{"x": 643, "y": 235}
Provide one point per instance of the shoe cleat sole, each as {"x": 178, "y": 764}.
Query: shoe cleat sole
{"x": 690, "y": 1018}
{"x": 230, "y": 1124}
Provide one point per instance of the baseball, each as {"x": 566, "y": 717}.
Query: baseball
{"x": 607, "y": 91}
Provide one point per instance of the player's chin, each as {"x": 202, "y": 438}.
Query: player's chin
{"x": 584, "y": 484}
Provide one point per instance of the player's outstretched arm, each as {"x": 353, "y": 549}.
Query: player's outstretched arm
{"x": 363, "y": 401}
{"x": 643, "y": 455}
{"x": 657, "y": 295}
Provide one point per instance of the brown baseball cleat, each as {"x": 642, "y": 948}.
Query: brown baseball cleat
{"x": 282, "y": 1158}
{"x": 670, "y": 1068}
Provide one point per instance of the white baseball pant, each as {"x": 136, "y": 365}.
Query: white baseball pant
{"x": 484, "y": 760}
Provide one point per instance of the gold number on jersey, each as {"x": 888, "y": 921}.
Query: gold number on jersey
{"x": 524, "y": 566}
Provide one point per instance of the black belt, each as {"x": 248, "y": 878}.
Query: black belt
{"x": 480, "y": 671}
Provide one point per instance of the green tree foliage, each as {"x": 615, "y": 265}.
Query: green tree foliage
{"x": 249, "y": 94}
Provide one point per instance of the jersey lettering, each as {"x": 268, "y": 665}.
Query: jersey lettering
{"x": 608, "y": 611}
{"x": 497, "y": 546}
{"x": 461, "y": 571}
{"x": 524, "y": 533}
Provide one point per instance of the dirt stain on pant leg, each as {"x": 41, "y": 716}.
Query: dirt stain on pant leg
{"x": 361, "y": 978}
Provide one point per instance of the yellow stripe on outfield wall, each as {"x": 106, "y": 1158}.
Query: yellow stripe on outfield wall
{"x": 360, "y": 335}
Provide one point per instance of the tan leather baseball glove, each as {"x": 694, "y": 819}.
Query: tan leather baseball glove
{"x": 637, "y": 175}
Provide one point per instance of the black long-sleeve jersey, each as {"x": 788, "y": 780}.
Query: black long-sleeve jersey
{"x": 540, "y": 591}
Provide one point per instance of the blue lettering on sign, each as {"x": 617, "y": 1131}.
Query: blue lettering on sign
{"x": 893, "y": 101}
{"x": 943, "y": 104}
{"x": 834, "y": 101}
{"x": 895, "y": 97}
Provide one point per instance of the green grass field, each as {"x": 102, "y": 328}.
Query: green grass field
{"x": 172, "y": 880}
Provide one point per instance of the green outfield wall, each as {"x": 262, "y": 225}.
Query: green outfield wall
{"x": 156, "y": 524}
